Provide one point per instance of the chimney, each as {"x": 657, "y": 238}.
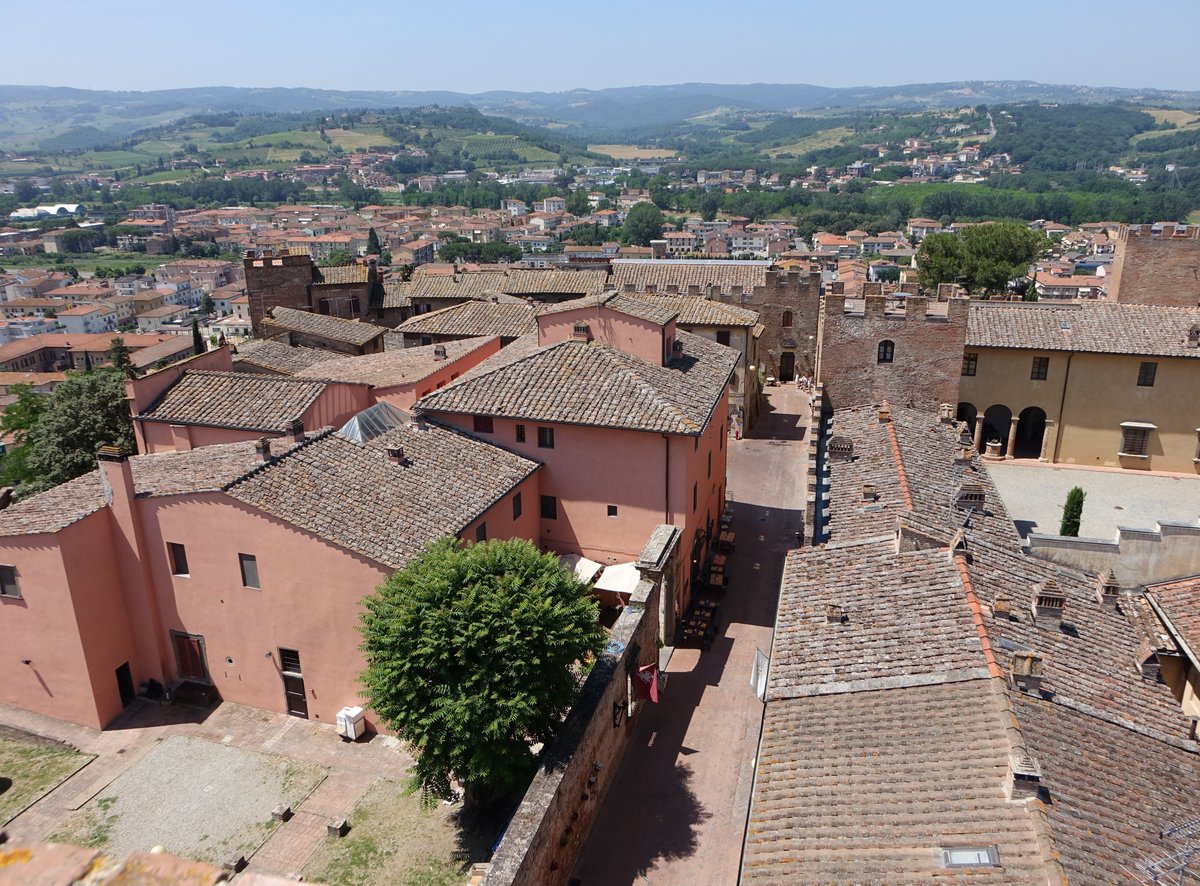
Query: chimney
{"x": 1024, "y": 777}
{"x": 1147, "y": 662}
{"x": 1025, "y": 672}
{"x": 840, "y": 448}
{"x": 296, "y": 431}
{"x": 439, "y": 352}
{"x": 835, "y": 615}
{"x": 1049, "y": 601}
{"x": 395, "y": 455}
{"x": 885, "y": 412}
{"x": 868, "y": 492}
{"x": 650, "y": 288}
{"x": 263, "y": 448}
{"x": 1108, "y": 592}
{"x": 946, "y": 413}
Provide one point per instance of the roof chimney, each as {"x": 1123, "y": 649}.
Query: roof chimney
{"x": 263, "y": 448}
{"x": 1147, "y": 661}
{"x": 834, "y": 614}
{"x": 840, "y": 448}
{"x": 1024, "y": 777}
{"x": 1002, "y": 606}
{"x": 1049, "y": 601}
{"x": 868, "y": 492}
{"x": 946, "y": 413}
{"x": 1025, "y": 671}
{"x": 439, "y": 352}
{"x": 885, "y": 411}
{"x": 296, "y": 431}
{"x": 1108, "y": 592}
{"x": 395, "y": 455}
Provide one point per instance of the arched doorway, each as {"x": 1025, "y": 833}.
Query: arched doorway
{"x": 996, "y": 422}
{"x": 1031, "y": 427}
{"x": 967, "y": 412}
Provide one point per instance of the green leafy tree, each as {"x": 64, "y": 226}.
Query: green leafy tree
{"x": 206, "y": 305}
{"x": 472, "y": 655}
{"x": 643, "y": 223}
{"x": 335, "y": 259}
{"x": 1072, "y": 512}
{"x": 373, "y": 247}
{"x": 999, "y": 253}
{"x": 197, "y": 339}
{"x": 118, "y": 353}
{"x": 940, "y": 259}
{"x": 18, "y": 418}
{"x": 83, "y": 413}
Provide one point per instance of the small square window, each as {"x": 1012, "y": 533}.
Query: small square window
{"x": 249, "y": 565}
{"x": 517, "y": 507}
{"x": 520, "y": 433}
{"x": 8, "y": 582}
{"x": 970, "y": 364}
{"x": 545, "y": 438}
{"x": 1041, "y": 368}
{"x": 179, "y": 563}
{"x": 483, "y": 424}
{"x": 1135, "y": 441}
{"x": 612, "y": 510}
{"x": 481, "y": 531}
{"x": 549, "y": 507}
{"x": 723, "y": 336}
{"x": 1146, "y": 373}
{"x": 971, "y": 857}
{"x": 426, "y": 341}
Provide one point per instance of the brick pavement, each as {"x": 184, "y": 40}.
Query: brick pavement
{"x": 677, "y": 809}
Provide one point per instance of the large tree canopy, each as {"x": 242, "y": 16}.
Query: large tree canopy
{"x": 643, "y": 224}
{"x": 472, "y": 657}
{"x": 985, "y": 258}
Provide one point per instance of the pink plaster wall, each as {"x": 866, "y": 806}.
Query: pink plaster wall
{"x": 141, "y": 392}
{"x": 405, "y": 395}
{"x": 336, "y": 405}
{"x": 71, "y": 623}
{"x": 499, "y": 518}
{"x": 641, "y": 338}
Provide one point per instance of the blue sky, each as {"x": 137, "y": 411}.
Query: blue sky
{"x": 471, "y": 46}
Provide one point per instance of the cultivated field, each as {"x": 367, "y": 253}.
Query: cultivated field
{"x": 632, "y": 152}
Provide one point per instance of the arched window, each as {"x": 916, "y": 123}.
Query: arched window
{"x": 787, "y": 319}
{"x": 887, "y": 350}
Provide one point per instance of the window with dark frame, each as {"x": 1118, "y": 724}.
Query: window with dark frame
{"x": 249, "y": 567}
{"x": 8, "y": 582}
{"x": 484, "y": 424}
{"x": 970, "y": 364}
{"x": 481, "y": 531}
{"x": 710, "y": 463}
{"x": 1135, "y": 441}
{"x": 723, "y": 337}
{"x": 695, "y": 495}
{"x": 1040, "y": 369}
{"x": 517, "y": 507}
{"x": 289, "y": 661}
{"x": 549, "y": 507}
{"x": 545, "y": 438}
{"x": 787, "y": 319}
{"x": 886, "y": 352}
{"x": 612, "y": 510}
{"x": 520, "y": 433}
{"x": 1146, "y": 373}
{"x": 179, "y": 563}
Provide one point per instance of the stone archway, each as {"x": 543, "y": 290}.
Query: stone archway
{"x": 996, "y": 422}
{"x": 968, "y": 413}
{"x": 1031, "y": 428}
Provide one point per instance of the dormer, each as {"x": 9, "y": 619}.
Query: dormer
{"x": 840, "y": 448}
{"x": 969, "y": 496}
{"x": 1193, "y": 337}
{"x": 1025, "y": 672}
{"x": 1108, "y": 592}
{"x": 1049, "y": 603}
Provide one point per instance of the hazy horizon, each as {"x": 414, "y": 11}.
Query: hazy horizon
{"x": 486, "y": 47}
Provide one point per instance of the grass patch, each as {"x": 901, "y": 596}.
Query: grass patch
{"x": 34, "y": 769}
{"x": 632, "y": 152}
{"x": 349, "y": 139}
{"x": 90, "y": 827}
{"x": 394, "y": 839}
{"x": 826, "y": 138}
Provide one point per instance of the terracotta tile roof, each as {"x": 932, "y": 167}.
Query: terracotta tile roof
{"x": 352, "y": 494}
{"x": 322, "y": 326}
{"x": 277, "y": 356}
{"x": 652, "y": 311}
{"x": 664, "y": 273}
{"x": 870, "y": 787}
{"x": 392, "y": 368}
{"x": 513, "y": 281}
{"x": 55, "y": 508}
{"x": 395, "y": 294}
{"x": 1152, "y": 330}
{"x": 242, "y": 400}
{"x": 692, "y": 311}
{"x": 474, "y": 318}
{"x": 1181, "y": 602}
{"x": 1112, "y": 790}
{"x": 906, "y": 621}
{"x": 204, "y": 469}
{"x": 578, "y": 382}
{"x": 341, "y": 275}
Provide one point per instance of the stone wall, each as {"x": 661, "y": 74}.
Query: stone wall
{"x": 784, "y": 292}
{"x": 1136, "y": 556}
{"x": 1156, "y": 269}
{"x": 927, "y": 353}
{"x": 272, "y": 281}
{"x": 548, "y": 831}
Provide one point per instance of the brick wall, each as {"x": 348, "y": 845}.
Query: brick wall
{"x": 277, "y": 280}
{"x": 548, "y": 831}
{"x": 1156, "y": 269}
{"x": 784, "y": 291}
{"x": 927, "y": 356}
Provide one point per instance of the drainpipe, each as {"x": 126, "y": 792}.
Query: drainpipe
{"x": 666, "y": 479}
{"x": 1061, "y": 405}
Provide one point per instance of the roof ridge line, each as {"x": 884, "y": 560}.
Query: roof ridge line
{"x": 262, "y": 466}
{"x": 901, "y": 474}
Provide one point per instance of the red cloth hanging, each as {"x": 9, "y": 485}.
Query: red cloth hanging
{"x": 647, "y": 682}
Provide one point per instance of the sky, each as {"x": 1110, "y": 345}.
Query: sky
{"x": 474, "y": 46}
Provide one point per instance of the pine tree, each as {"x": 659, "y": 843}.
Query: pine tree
{"x": 373, "y": 247}
{"x": 119, "y": 354}
{"x": 1072, "y": 512}
{"x": 198, "y": 346}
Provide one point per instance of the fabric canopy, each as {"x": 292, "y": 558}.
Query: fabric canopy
{"x": 585, "y": 570}
{"x": 621, "y": 578}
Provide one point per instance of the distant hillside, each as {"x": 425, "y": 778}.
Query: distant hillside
{"x": 80, "y": 118}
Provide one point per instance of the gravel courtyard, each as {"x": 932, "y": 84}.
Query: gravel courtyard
{"x": 196, "y": 798}
{"x": 1034, "y": 497}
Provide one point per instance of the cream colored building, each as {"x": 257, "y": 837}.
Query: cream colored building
{"x": 1089, "y": 384}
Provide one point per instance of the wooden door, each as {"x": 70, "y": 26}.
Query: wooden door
{"x": 189, "y": 656}
{"x": 293, "y": 683}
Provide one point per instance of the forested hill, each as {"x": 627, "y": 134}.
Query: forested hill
{"x": 31, "y": 114}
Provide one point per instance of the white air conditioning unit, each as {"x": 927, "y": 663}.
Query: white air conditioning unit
{"x": 351, "y": 723}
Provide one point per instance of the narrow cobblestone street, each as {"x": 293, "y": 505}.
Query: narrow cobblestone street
{"x": 677, "y": 810}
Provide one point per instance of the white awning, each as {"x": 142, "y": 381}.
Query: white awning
{"x": 1139, "y": 424}
{"x": 585, "y": 570}
{"x": 621, "y": 578}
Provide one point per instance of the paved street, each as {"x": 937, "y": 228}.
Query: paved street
{"x": 677, "y": 810}
{"x": 1034, "y": 496}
